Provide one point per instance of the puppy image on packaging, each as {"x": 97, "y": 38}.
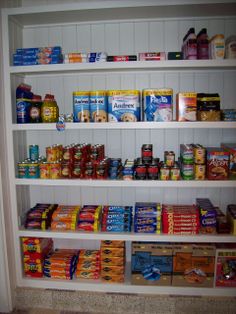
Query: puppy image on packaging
{"x": 98, "y": 106}
{"x": 81, "y": 106}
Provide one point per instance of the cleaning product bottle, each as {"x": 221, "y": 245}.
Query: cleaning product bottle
{"x": 35, "y": 109}
{"x": 23, "y": 101}
{"x": 191, "y": 45}
{"x": 202, "y": 44}
{"x": 50, "y": 110}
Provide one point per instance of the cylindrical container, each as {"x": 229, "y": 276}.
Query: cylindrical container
{"x": 152, "y": 171}
{"x": 123, "y": 105}
{"x": 51, "y": 153}
{"x": 158, "y": 104}
{"x": 44, "y": 169}
{"x": 164, "y": 173}
{"x": 33, "y": 152}
{"x": 146, "y": 153}
{"x": 23, "y": 102}
{"x": 175, "y": 172}
{"x": 200, "y": 172}
{"x": 68, "y": 153}
{"x": 22, "y": 170}
{"x": 202, "y": 45}
{"x": 187, "y": 172}
{"x": 35, "y": 109}
{"x": 141, "y": 172}
{"x": 55, "y": 170}
{"x": 98, "y": 106}
{"x": 186, "y": 154}
{"x": 230, "y": 47}
{"x": 101, "y": 170}
{"x": 78, "y": 152}
{"x": 89, "y": 170}
{"x": 66, "y": 169}
{"x": 217, "y": 47}
{"x": 169, "y": 158}
{"x": 49, "y": 109}
{"x": 33, "y": 170}
{"x": 77, "y": 169}
{"x": 199, "y": 153}
{"x": 81, "y": 106}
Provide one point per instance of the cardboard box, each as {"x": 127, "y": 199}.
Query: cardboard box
{"x": 225, "y": 268}
{"x": 151, "y": 264}
{"x": 231, "y": 217}
{"x": 186, "y": 107}
{"x": 231, "y": 148}
{"x": 193, "y": 265}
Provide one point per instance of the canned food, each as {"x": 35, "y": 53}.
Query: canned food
{"x": 200, "y": 172}
{"x": 101, "y": 168}
{"x": 187, "y": 172}
{"x": 51, "y": 154}
{"x": 44, "y": 169}
{"x": 89, "y": 170}
{"x": 55, "y": 170}
{"x": 66, "y": 170}
{"x": 152, "y": 172}
{"x": 199, "y": 153}
{"x": 33, "y": 170}
{"x": 175, "y": 173}
{"x": 78, "y": 152}
{"x": 68, "y": 153}
{"x": 22, "y": 170}
{"x": 186, "y": 154}
{"x": 169, "y": 158}
{"x": 77, "y": 171}
{"x": 141, "y": 172}
{"x": 164, "y": 173}
{"x": 146, "y": 153}
{"x": 34, "y": 152}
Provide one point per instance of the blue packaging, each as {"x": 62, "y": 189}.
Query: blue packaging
{"x": 98, "y": 106}
{"x": 23, "y": 102}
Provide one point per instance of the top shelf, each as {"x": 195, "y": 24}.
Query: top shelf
{"x": 171, "y": 65}
{"x": 118, "y": 10}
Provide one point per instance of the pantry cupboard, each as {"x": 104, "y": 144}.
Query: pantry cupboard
{"x": 116, "y": 27}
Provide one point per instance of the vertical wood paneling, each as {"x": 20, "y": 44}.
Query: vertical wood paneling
{"x": 230, "y": 26}
{"x": 156, "y": 37}
{"x": 141, "y": 37}
{"x": 215, "y": 26}
{"x": 41, "y": 37}
{"x": 83, "y": 33}
{"x": 171, "y": 36}
{"x": 69, "y": 39}
{"x": 55, "y": 36}
{"x": 99, "y": 82}
{"x": 112, "y": 35}
{"x": 127, "y": 38}
{"x": 127, "y": 144}
{"x": 201, "y": 83}
{"x": 97, "y": 38}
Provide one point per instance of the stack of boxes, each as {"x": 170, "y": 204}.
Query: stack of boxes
{"x": 34, "y": 252}
{"x": 151, "y": 264}
{"x": 65, "y": 217}
{"x": 113, "y": 261}
{"x": 89, "y": 264}
{"x": 117, "y": 218}
{"x": 147, "y": 217}
{"x": 208, "y": 215}
{"x": 225, "y": 268}
{"x": 89, "y": 218}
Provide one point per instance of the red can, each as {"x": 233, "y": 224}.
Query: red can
{"x": 68, "y": 153}
{"x": 78, "y": 169}
{"x": 66, "y": 170}
{"x": 146, "y": 153}
{"x": 89, "y": 170}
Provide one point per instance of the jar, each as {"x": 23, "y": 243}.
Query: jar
{"x": 50, "y": 110}
{"x": 35, "y": 109}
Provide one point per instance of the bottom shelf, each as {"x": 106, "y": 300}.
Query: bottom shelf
{"x": 98, "y": 286}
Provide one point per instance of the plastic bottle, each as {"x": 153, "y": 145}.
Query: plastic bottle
{"x": 217, "y": 47}
{"x": 23, "y": 101}
{"x": 49, "y": 110}
{"x": 191, "y": 45}
{"x": 35, "y": 109}
{"x": 230, "y": 47}
{"x": 202, "y": 45}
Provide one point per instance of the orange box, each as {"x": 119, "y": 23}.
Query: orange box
{"x": 112, "y": 252}
{"x": 193, "y": 265}
{"x": 113, "y": 278}
{"x": 186, "y": 106}
{"x": 112, "y": 261}
{"x": 110, "y": 243}
{"x": 112, "y": 270}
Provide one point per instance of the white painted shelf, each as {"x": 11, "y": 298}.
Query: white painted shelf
{"x": 86, "y": 285}
{"x": 129, "y": 183}
{"x": 130, "y": 125}
{"x": 126, "y": 66}
{"x": 128, "y": 236}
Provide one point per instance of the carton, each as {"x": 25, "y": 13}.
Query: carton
{"x": 186, "y": 107}
{"x": 231, "y": 148}
{"x": 193, "y": 265}
{"x": 225, "y": 268}
{"x": 151, "y": 264}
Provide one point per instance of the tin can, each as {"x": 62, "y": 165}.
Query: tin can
{"x": 199, "y": 153}
{"x": 146, "y": 153}
{"x": 200, "y": 172}
{"x": 44, "y": 169}
{"x": 68, "y": 153}
{"x": 169, "y": 158}
{"x": 175, "y": 172}
{"x": 152, "y": 171}
{"x": 187, "y": 172}
{"x": 55, "y": 170}
{"x": 186, "y": 154}
{"x": 51, "y": 154}
{"x": 77, "y": 171}
{"x": 141, "y": 172}
{"x": 89, "y": 170}
{"x": 23, "y": 170}
{"x": 33, "y": 170}
{"x": 58, "y": 148}
{"x": 164, "y": 173}
{"x": 78, "y": 152}
{"x": 101, "y": 170}
{"x": 66, "y": 170}
{"x": 33, "y": 152}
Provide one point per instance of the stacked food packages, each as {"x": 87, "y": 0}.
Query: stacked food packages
{"x": 147, "y": 217}
{"x": 61, "y": 264}
{"x": 89, "y": 264}
{"x": 34, "y": 252}
{"x": 89, "y": 218}
{"x": 208, "y": 215}
{"x": 113, "y": 261}
{"x": 65, "y": 217}
{"x": 117, "y": 218}
{"x": 180, "y": 219}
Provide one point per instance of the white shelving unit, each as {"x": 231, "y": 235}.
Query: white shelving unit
{"x": 117, "y": 27}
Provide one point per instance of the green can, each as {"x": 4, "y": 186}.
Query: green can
{"x": 22, "y": 170}
{"x": 33, "y": 170}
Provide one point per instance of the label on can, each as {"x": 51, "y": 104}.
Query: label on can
{"x": 199, "y": 155}
{"x": 44, "y": 169}
{"x": 175, "y": 173}
{"x": 33, "y": 170}
{"x": 22, "y": 170}
{"x": 55, "y": 170}
{"x": 187, "y": 172}
{"x": 169, "y": 158}
{"x": 164, "y": 173}
{"x": 34, "y": 152}
{"x": 81, "y": 106}
{"x": 200, "y": 172}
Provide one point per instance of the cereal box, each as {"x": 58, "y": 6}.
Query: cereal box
{"x": 231, "y": 148}
{"x": 225, "y": 270}
{"x": 217, "y": 163}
